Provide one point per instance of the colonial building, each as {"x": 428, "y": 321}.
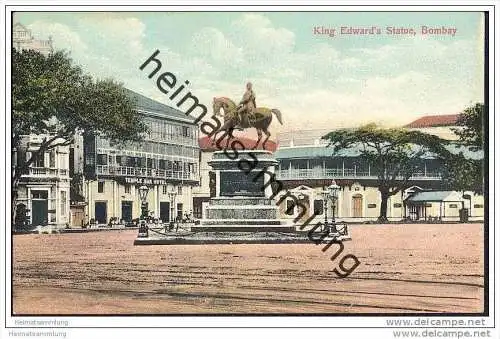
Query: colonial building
{"x": 43, "y": 190}
{"x": 308, "y": 170}
{"x": 440, "y": 125}
{"x": 167, "y": 162}
{"x": 22, "y": 38}
{"x": 307, "y": 167}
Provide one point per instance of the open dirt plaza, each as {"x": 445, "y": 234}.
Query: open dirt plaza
{"x": 404, "y": 268}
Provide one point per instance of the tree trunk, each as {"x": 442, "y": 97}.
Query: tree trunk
{"x": 384, "y": 196}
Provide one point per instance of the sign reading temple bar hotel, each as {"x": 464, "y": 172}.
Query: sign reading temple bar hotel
{"x": 143, "y": 181}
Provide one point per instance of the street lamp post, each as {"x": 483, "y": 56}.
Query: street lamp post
{"x": 143, "y": 226}
{"x": 143, "y": 194}
{"x": 333, "y": 191}
{"x": 172, "y": 194}
{"x": 324, "y": 194}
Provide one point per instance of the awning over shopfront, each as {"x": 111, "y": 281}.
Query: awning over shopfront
{"x": 435, "y": 196}
{"x": 420, "y": 204}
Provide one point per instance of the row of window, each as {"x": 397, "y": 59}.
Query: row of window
{"x": 20, "y": 34}
{"x": 167, "y": 149}
{"x": 152, "y": 147}
{"x": 319, "y": 204}
{"x": 167, "y": 212}
{"x": 335, "y": 164}
{"x": 127, "y": 161}
{"x": 40, "y": 160}
{"x": 64, "y": 201}
{"x": 163, "y": 130}
{"x": 101, "y": 186}
{"x": 454, "y": 205}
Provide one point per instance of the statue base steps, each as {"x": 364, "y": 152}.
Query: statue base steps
{"x": 243, "y": 227}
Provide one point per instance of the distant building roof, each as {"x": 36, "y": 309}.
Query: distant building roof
{"x": 206, "y": 143}
{"x": 435, "y": 196}
{"x": 310, "y": 152}
{"x": 157, "y": 108}
{"x": 434, "y": 121}
{"x": 302, "y": 137}
{"x": 22, "y": 39}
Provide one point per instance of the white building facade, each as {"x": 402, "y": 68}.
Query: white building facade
{"x": 43, "y": 194}
{"x": 22, "y": 39}
{"x": 43, "y": 191}
{"x": 307, "y": 168}
{"x": 167, "y": 162}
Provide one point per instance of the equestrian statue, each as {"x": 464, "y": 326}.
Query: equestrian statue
{"x": 245, "y": 115}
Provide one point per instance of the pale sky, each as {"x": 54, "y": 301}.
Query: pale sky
{"x": 317, "y": 81}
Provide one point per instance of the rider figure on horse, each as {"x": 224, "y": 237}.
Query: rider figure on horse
{"x": 247, "y": 106}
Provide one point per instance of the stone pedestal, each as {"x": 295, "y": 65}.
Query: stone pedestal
{"x": 242, "y": 201}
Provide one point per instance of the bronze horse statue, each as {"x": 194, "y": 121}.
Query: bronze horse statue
{"x": 260, "y": 121}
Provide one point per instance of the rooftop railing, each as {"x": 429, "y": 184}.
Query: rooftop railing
{"x": 47, "y": 172}
{"x": 348, "y": 173}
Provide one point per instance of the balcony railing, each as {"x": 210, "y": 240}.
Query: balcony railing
{"x": 145, "y": 172}
{"x": 348, "y": 173}
{"x": 47, "y": 172}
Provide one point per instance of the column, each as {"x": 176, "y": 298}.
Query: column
{"x": 56, "y": 204}
{"x": 156, "y": 198}
{"x": 114, "y": 197}
{"x": 28, "y": 204}
{"x": 339, "y": 203}
{"x": 136, "y": 206}
{"x": 90, "y": 201}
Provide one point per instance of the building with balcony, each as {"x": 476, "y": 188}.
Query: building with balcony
{"x": 43, "y": 191}
{"x": 307, "y": 167}
{"x": 167, "y": 161}
{"x": 22, "y": 38}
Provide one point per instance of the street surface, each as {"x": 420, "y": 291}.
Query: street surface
{"x": 404, "y": 268}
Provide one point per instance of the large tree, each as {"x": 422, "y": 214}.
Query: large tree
{"x": 394, "y": 154}
{"x": 54, "y": 98}
{"x": 464, "y": 170}
{"x": 470, "y": 130}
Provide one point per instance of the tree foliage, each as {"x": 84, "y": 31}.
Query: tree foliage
{"x": 470, "y": 129}
{"x": 394, "y": 154}
{"x": 463, "y": 172}
{"x": 54, "y": 98}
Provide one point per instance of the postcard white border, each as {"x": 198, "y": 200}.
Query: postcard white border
{"x": 352, "y": 321}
